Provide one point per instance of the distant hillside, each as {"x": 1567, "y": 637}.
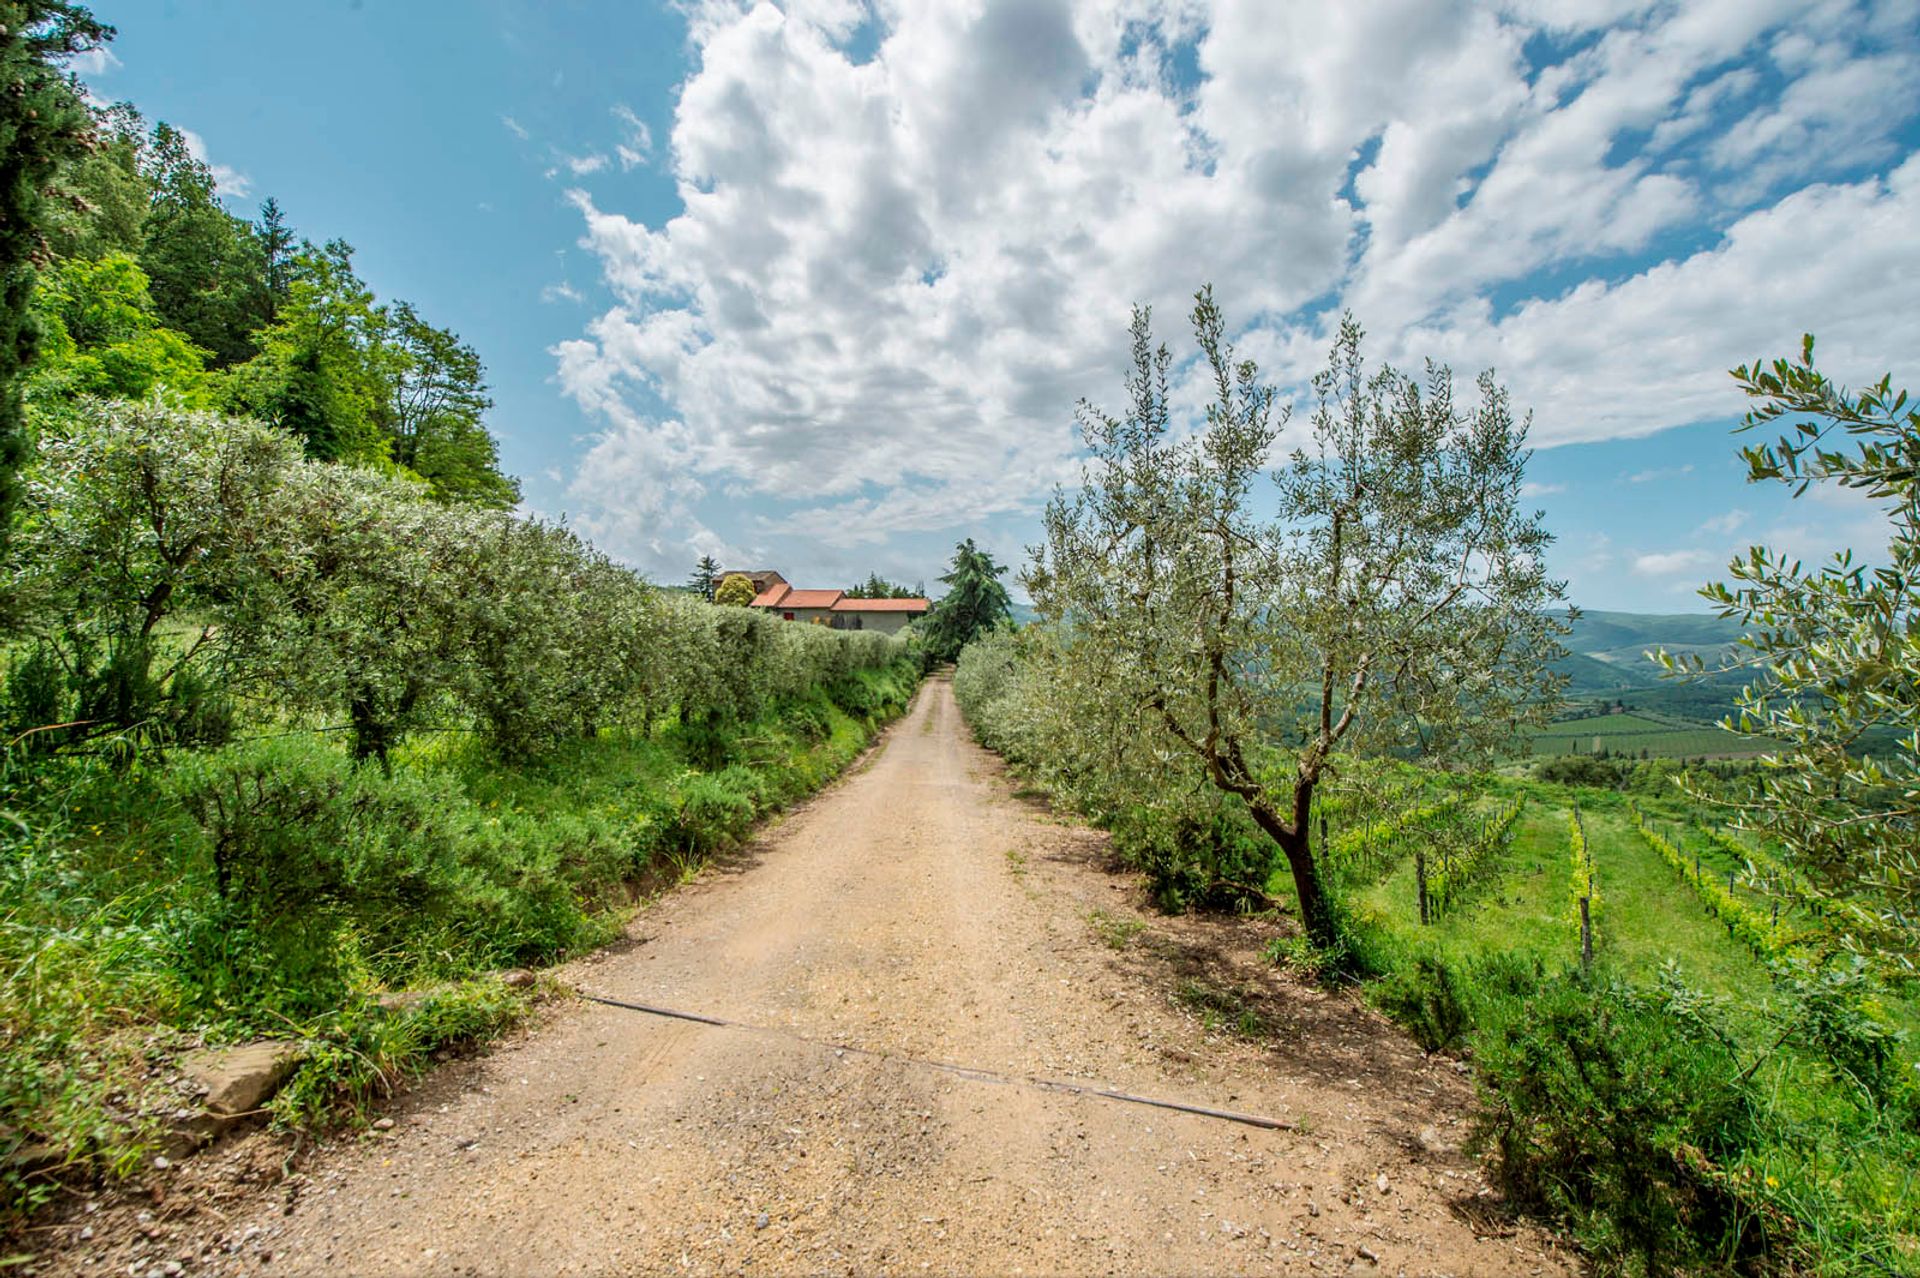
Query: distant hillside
{"x": 1624, "y": 638}
{"x": 1608, "y": 662}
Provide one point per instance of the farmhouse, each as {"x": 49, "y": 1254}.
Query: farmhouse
{"x": 832, "y": 607}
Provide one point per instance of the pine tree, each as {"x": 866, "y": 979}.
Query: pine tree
{"x": 975, "y": 602}
{"x": 276, "y": 252}
{"x": 706, "y": 576}
{"x": 43, "y": 122}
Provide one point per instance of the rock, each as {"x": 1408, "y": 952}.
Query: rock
{"x": 517, "y": 978}
{"x": 239, "y": 1080}
{"x": 1431, "y": 1141}
{"x": 383, "y": 1124}
{"x": 400, "y": 1000}
{"x": 1313, "y": 1208}
{"x": 1366, "y": 1253}
{"x": 161, "y": 1162}
{"x": 761, "y": 1221}
{"x": 1380, "y": 1182}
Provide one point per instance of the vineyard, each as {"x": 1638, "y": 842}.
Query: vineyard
{"x": 1632, "y": 735}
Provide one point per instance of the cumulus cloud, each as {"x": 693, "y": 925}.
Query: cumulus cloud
{"x": 893, "y": 273}
{"x": 1672, "y": 563}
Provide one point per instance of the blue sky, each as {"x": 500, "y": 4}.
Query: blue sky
{"x": 816, "y": 287}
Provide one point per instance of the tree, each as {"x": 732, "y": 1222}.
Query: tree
{"x": 975, "y": 602}
{"x": 101, "y": 337}
{"x": 706, "y": 575}
{"x": 324, "y": 372}
{"x": 735, "y": 591}
{"x": 1385, "y": 591}
{"x": 436, "y": 409}
{"x": 276, "y": 257}
{"x": 43, "y": 123}
{"x": 204, "y": 263}
{"x": 878, "y": 587}
{"x": 1834, "y": 655}
{"x": 105, "y": 190}
{"x": 139, "y": 516}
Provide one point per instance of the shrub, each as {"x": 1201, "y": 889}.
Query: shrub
{"x": 1430, "y": 999}
{"x": 1603, "y": 1106}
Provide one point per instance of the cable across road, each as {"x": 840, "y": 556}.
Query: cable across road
{"x": 974, "y": 1073}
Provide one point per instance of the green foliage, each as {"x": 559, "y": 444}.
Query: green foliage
{"x": 734, "y": 591}
{"x": 1583, "y": 885}
{"x": 1468, "y": 859}
{"x": 101, "y": 337}
{"x": 136, "y": 516}
{"x": 155, "y": 281}
{"x": 1834, "y": 653}
{"x": 205, "y": 268}
{"x": 878, "y": 587}
{"x": 1628, "y": 1120}
{"x": 706, "y": 577}
{"x": 1745, "y": 924}
{"x": 975, "y": 602}
{"x": 43, "y": 123}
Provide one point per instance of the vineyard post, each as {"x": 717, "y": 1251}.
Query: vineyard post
{"x": 1586, "y": 934}
{"x": 1420, "y": 878}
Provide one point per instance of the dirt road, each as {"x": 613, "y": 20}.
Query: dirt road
{"x": 919, "y": 909}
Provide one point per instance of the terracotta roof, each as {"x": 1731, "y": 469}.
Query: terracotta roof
{"x": 882, "y": 605}
{"x": 806, "y": 599}
{"x": 771, "y": 595}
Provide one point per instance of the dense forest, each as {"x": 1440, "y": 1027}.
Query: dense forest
{"x": 150, "y": 282}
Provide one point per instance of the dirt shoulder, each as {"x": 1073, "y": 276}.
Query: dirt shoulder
{"x": 919, "y": 910}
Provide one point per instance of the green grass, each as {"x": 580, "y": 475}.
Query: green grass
{"x": 1845, "y": 1167}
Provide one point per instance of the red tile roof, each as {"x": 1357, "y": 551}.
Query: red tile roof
{"x": 771, "y": 595}
{"x": 808, "y": 599}
{"x": 882, "y": 605}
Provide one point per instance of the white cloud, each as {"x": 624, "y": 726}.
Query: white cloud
{"x": 636, "y": 143}
{"x": 1725, "y": 525}
{"x": 515, "y": 127}
{"x": 1658, "y": 473}
{"x": 890, "y": 281}
{"x": 226, "y": 180}
{"x": 1672, "y": 563}
{"x": 96, "y": 61}
{"x": 582, "y": 165}
{"x": 1533, "y": 488}
{"x": 562, "y": 292}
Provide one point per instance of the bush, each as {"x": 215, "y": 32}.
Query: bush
{"x": 1430, "y": 999}
{"x": 1601, "y": 1105}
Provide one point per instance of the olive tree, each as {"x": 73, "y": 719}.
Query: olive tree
{"x": 1834, "y": 653}
{"x": 357, "y": 602}
{"x": 1383, "y": 589}
{"x": 142, "y": 523}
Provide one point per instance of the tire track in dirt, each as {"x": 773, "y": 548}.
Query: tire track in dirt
{"x": 918, "y": 909}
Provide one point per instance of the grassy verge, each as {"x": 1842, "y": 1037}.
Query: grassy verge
{"x": 273, "y": 889}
